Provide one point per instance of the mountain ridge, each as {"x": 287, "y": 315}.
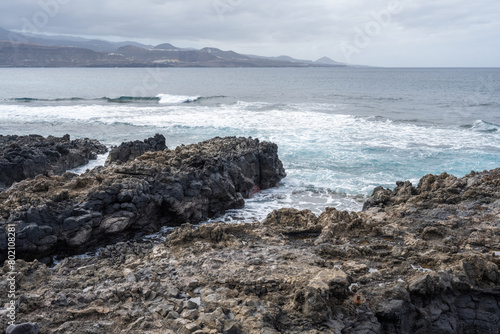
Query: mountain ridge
{"x": 33, "y": 50}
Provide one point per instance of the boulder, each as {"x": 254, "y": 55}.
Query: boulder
{"x": 128, "y": 151}
{"x": 24, "y": 328}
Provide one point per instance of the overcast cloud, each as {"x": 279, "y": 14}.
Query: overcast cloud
{"x": 415, "y": 33}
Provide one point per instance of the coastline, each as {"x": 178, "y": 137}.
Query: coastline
{"x": 140, "y": 190}
{"x": 416, "y": 259}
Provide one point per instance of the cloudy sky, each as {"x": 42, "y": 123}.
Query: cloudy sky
{"x": 371, "y": 32}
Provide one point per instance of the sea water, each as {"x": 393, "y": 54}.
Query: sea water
{"x": 340, "y": 131}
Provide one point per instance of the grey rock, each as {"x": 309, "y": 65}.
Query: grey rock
{"x": 190, "y": 314}
{"x": 190, "y": 305}
{"x": 24, "y": 328}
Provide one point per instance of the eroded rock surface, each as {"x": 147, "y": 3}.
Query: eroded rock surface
{"x": 417, "y": 260}
{"x": 71, "y": 213}
{"x": 23, "y": 157}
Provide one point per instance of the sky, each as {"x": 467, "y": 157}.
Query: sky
{"x": 390, "y": 33}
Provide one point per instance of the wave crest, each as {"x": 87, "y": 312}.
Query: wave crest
{"x": 160, "y": 98}
{"x": 176, "y": 99}
{"x": 483, "y": 126}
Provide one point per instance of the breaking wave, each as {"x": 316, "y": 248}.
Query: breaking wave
{"x": 483, "y": 126}
{"x": 160, "y": 98}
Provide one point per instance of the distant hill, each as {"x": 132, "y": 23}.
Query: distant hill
{"x": 282, "y": 58}
{"x": 166, "y": 46}
{"x": 92, "y": 44}
{"x": 325, "y": 61}
{"x": 30, "y": 50}
{"x": 14, "y": 54}
{"x": 328, "y": 61}
{"x": 169, "y": 55}
{"x": 293, "y": 60}
{"x": 7, "y": 35}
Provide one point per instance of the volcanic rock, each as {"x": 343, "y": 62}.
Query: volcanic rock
{"x": 419, "y": 259}
{"x": 23, "y": 157}
{"x": 128, "y": 151}
{"x": 72, "y": 214}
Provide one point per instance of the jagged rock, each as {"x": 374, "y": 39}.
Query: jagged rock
{"x": 23, "y": 157}
{"x": 407, "y": 265}
{"x": 128, "y": 151}
{"x": 71, "y": 214}
{"x": 433, "y": 190}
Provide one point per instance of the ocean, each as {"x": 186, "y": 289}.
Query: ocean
{"x": 341, "y": 132}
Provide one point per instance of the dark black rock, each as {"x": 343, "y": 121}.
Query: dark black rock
{"x": 70, "y": 214}
{"x": 128, "y": 151}
{"x": 24, "y": 157}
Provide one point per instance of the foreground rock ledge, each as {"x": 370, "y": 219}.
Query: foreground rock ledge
{"x": 70, "y": 214}
{"x": 418, "y": 260}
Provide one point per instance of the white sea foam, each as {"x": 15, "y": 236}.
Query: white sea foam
{"x": 160, "y": 236}
{"x": 483, "y": 126}
{"x": 295, "y": 126}
{"x": 101, "y": 159}
{"x": 332, "y": 159}
{"x": 175, "y": 99}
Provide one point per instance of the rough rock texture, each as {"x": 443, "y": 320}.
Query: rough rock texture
{"x": 23, "y": 157}
{"x": 72, "y": 214}
{"x": 438, "y": 190}
{"x": 417, "y": 260}
{"x": 128, "y": 151}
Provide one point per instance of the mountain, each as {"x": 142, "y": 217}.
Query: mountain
{"x": 166, "y": 46}
{"x": 7, "y": 35}
{"x": 67, "y": 41}
{"x": 282, "y": 58}
{"x": 32, "y": 50}
{"x": 325, "y": 61}
{"x": 15, "y": 54}
{"x": 4, "y": 34}
{"x": 293, "y": 60}
{"x": 92, "y": 44}
{"x": 169, "y": 55}
{"x": 328, "y": 61}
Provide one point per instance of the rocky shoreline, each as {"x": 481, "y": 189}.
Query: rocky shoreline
{"x": 417, "y": 259}
{"x": 71, "y": 214}
{"x": 23, "y": 157}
